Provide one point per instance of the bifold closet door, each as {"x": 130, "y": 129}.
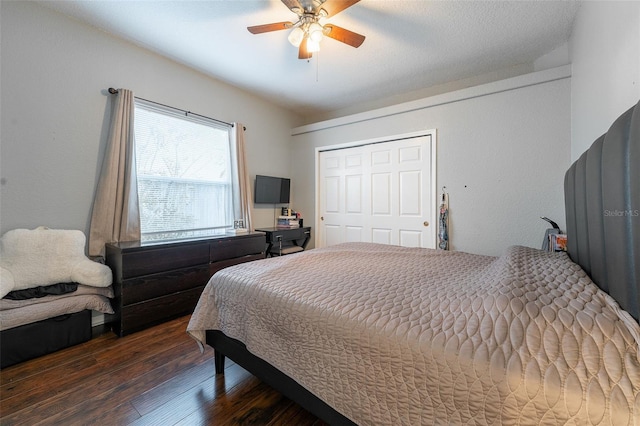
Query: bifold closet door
{"x": 380, "y": 192}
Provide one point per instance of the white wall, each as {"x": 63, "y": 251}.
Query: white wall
{"x": 605, "y": 56}
{"x": 502, "y": 151}
{"x": 55, "y": 113}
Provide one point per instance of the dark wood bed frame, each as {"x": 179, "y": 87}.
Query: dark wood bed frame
{"x": 236, "y": 350}
{"x": 602, "y": 202}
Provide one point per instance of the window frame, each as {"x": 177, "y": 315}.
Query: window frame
{"x": 233, "y": 184}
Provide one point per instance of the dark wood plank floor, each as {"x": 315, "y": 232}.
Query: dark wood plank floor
{"x": 154, "y": 377}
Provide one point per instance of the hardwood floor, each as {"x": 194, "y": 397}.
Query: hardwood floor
{"x": 153, "y": 377}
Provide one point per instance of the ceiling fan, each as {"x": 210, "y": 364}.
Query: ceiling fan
{"x": 307, "y": 32}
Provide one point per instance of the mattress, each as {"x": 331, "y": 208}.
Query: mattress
{"x": 393, "y": 335}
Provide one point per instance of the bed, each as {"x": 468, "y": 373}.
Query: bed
{"x": 48, "y": 290}
{"x": 369, "y": 334}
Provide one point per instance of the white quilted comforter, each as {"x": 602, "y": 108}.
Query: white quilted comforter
{"x": 392, "y": 335}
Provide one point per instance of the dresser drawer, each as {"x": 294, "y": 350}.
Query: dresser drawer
{"x": 236, "y": 247}
{"x": 217, "y": 266}
{"x": 151, "y": 286}
{"x": 145, "y": 314}
{"x": 152, "y": 261}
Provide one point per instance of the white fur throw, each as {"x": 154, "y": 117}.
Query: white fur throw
{"x": 6, "y": 282}
{"x": 42, "y": 256}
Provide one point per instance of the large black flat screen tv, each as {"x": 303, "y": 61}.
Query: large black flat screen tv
{"x": 272, "y": 190}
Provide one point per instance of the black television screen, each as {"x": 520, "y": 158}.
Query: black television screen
{"x": 272, "y": 190}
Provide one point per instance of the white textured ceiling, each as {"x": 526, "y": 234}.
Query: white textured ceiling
{"x": 410, "y": 45}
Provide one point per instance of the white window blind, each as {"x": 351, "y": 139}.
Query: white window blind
{"x": 185, "y": 174}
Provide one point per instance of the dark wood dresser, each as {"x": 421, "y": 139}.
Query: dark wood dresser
{"x": 155, "y": 282}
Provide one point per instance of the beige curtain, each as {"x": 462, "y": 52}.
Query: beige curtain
{"x": 244, "y": 183}
{"x": 116, "y": 216}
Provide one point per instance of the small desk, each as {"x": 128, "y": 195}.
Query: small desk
{"x": 281, "y": 241}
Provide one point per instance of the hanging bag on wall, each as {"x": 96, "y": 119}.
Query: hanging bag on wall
{"x": 443, "y": 222}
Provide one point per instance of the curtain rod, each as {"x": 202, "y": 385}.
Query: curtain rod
{"x": 114, "y": 91}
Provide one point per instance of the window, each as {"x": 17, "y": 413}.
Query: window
{"x": 185, "y": 174}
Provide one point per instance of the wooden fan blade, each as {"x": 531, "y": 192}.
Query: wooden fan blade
{"x": 293, "y": 5}
{"x": 343, "y": 35}
{"x": 333, "y": 7}
{"x": 303, "y": 53}
{"x": 258, "y": 29}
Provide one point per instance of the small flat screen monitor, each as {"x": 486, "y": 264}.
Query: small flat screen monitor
{"x": 272, "y": 190}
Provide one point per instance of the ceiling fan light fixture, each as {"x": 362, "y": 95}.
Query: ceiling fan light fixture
{"x": 312, "y": 46}
{"x": 316, "y": 32}
{"x": 295, "y": 36}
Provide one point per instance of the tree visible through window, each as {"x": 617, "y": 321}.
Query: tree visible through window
{"x": 185, "y": 174}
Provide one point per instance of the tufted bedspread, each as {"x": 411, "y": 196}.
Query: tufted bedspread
{"x": 392, "y": 335}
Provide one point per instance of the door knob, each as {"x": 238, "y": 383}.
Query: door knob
{"x": 425, "y": 223}
{"x": 321, "y": 217}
